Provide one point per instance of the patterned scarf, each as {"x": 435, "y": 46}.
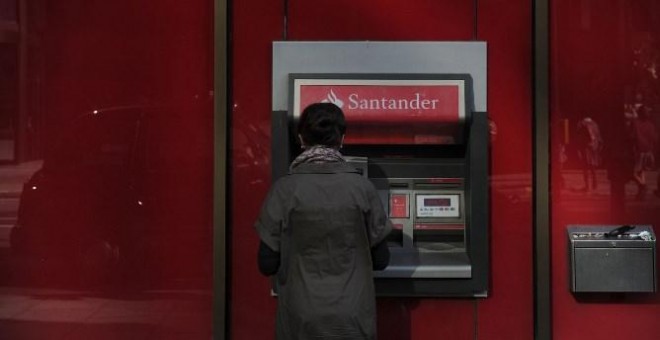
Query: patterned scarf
{"x": 318, "y": 154}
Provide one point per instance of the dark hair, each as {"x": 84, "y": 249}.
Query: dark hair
{"x": 322, "y": 124}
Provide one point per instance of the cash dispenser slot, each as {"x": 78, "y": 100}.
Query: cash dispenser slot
{"x": 439, "y": 237}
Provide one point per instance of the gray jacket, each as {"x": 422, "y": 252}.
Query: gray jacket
{"x": 323, "y": 219}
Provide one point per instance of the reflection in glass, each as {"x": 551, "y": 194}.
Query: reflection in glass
{"x": 8, "y": 100}
{"x": 604, "y": 82}
{"x": 8, "y": 10}
{"x": 106, "y": 229}
{"x": 607, "y": 109}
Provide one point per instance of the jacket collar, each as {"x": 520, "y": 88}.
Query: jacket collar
{"x": 324, "y": 168}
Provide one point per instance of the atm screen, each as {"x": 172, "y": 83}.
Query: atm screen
{"x": 438, "y": 206}
{"x": 437, "y": 202}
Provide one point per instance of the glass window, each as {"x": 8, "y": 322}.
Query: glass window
{"x": 92, "y": 245}
{"x": 605, "y": 114}
{"x": 8, "y": 10}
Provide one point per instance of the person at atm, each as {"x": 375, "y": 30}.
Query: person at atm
{"x": 322, "y": 229}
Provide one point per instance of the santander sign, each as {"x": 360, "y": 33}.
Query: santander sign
{"x": 416, "y": 103}
{"x": 383, "y": 103}
{"x": 386, "y": 101}
{"x": 388, "y": 107}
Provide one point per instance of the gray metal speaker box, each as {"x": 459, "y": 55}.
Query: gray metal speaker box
{"x": 612, "y": 258}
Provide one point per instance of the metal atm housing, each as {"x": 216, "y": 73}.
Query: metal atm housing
{"x": 435, "y": 193}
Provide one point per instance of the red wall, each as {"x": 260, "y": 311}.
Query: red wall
{"x": 507, "y": 313}
{"x": 594, "y": 72}
{"x": 99, "y": 55}
{"x": 85, "y": 55}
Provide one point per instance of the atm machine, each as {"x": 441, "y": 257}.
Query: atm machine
{"x": 418, "y": 138}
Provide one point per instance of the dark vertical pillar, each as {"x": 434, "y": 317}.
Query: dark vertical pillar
{"x": 541, "y": 125}
{"x": 220, "y": 109}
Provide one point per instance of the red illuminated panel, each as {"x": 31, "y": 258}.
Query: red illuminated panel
{"x": 432, "y": 110}
{"x": 399, "y": 206}
{"x": 388, "y": 104}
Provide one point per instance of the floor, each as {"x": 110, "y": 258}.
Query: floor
{"x": 63, "y": 314}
